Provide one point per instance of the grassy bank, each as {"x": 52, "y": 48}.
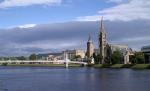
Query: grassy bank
{"x": 141, "y": 66}
{"x": 114, "y": 66}
{"x": 44, "y": 65}
{"x": 117, "y": 66}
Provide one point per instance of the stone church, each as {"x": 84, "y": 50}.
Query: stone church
{"x": 105, "y": 49}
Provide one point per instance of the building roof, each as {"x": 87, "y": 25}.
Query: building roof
{"x": 145, "y": 49}
{"x": 119, "y": 45}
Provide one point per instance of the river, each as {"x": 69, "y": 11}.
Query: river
{"x": 73, "y": 79}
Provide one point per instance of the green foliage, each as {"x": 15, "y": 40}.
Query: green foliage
{"x": 97, "y": 58}
{"x": 148, "y": 66}
{"x": 4, "y": 64}
{"x": 117, "y": 66}
{"x": 97, "y": 65}
{"x": 106, "y": 65}
{"x": 127, "y": 65}
{"x": 77, "y": 56}
{"x": 21, "y": 58}
{"x": 141, "y": 66}
{"x": 116, "y": 57}
{"x": 33, "y": 57}
{"x": 132, "y": 59}
{"x": 138, "y": 58}
{"x": 90, "y": 65}
{"x": 122, "y": 65}
{"x": 133, "y": 66}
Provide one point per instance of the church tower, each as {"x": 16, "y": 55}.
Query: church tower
{"x": 102, "y": 42}
{"x": 90, "y": 48}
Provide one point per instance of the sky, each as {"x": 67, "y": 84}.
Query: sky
{"x": 45, "y": 26}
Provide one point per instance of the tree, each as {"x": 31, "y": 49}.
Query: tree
{"x": 21, "y": 58}
{"x": 132, "y": 59}
{"x": 33, "y": 57}
{"x": 139, "y": 57}
{"x": 97, "y": 58}
{"x": 77, "y": 56}
{"x": 116, "y": 57}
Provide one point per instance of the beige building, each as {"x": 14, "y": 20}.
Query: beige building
{"x": 73, "y": 53}
{"x": 55, "y": 56}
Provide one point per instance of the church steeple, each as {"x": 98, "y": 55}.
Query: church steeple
{"x": 102, "y": 25}
{"x": 102, "y": 41}
{"x": 90, "y": 39}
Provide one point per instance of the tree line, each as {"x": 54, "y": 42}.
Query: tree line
{"x": 117, "y": 58}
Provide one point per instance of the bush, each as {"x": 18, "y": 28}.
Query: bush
{"x": 90, "y": 65}
{"x": 141, "y": 66}
{"x": 127, "y": 65}
{"x": 106, "y": 65}
{"x": 116, "y": 57}
{"x": 4, "y": 64}
{"x": 117, "y": 66}
{"x": 98, "y": 65}
{"x": 148, "y": 67}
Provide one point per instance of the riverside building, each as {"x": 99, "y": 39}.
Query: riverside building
{"x": 106, "y": 50}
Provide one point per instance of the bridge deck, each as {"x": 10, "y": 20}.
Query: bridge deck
{"x": 40, "y": 61}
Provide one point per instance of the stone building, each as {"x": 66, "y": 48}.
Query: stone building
{"x": 146, "y": 51}
{"x": 106, "y": 49}
{"x": 55, "y": 56}
{"x": 102, "y": 42}
{"x": 73, "y": 53}
{"x": 124, "y": 50}
{"x": 90, "y": 48}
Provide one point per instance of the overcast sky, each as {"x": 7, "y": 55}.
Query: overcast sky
{"x": 44, "y": 26}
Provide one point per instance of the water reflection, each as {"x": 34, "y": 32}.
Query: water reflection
{"x": 72, "y": 79}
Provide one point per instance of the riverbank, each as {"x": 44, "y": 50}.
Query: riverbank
{"x": 118, "y": 66}
{"x": 114, "y": 66}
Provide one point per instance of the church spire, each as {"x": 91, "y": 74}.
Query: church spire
{"x": 102, "y": 41}
{"x": 90, "y": 39}
{"x": 102, "y": 25}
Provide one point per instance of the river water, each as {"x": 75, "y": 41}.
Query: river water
{"x": 73, "y": 79}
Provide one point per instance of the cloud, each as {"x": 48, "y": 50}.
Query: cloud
{"x": 131, "y": 10}
{"x": 16, "y": 3}
{"x": 115, "y": 1}
{"x": 27, "y": 26}
{"x": 56, "y": 37}
{"x": 44, "y": 37}
{"x": 89, "y": 18}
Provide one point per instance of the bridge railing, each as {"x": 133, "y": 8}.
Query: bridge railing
{"x": 40, "y": 61}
